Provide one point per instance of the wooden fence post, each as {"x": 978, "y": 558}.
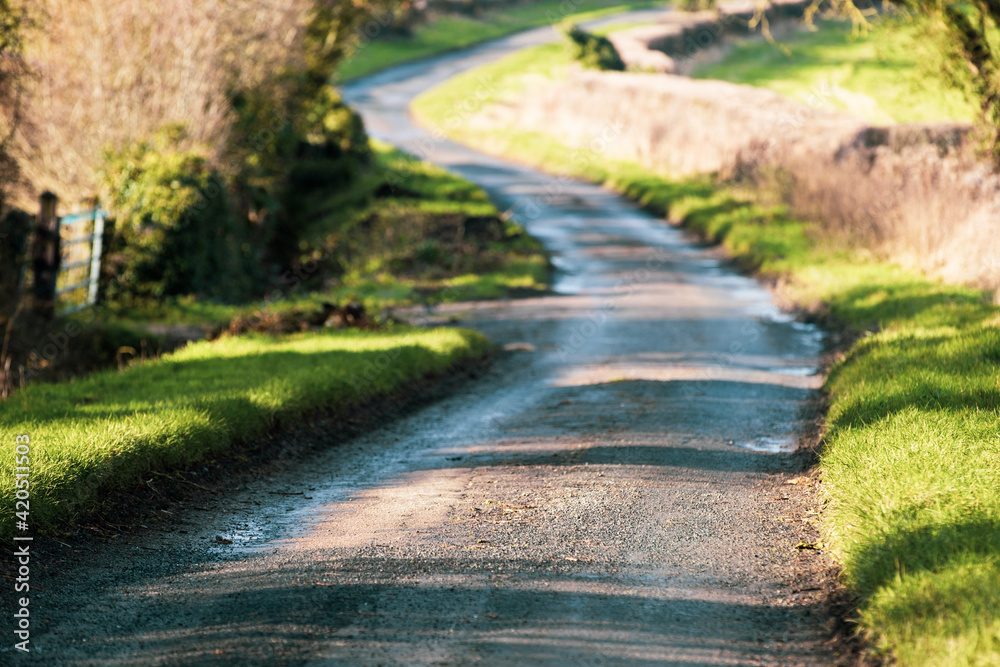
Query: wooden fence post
{"x": 45, "y": 256}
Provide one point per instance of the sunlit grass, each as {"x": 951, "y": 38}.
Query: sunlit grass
{"x": 99, "y": 435}
{"x": 889, "y": 75}
{"x": 104, "y": 433}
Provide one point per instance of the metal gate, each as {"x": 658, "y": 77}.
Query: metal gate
{"x": 81, "y": 240}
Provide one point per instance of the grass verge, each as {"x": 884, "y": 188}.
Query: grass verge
{"x": 911, "y": 455}
{"x": 892, "y": 74}
{"x": 396, "y": 246}
{"x": 100, "y": 435}
{"x": 450, "y": 32}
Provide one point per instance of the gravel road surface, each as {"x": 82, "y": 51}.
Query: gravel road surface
{"x": 613, "y": 491}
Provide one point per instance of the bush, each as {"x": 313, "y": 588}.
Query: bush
{"x": 187, "y": 228}
{"x": 176, "y": 230}
{"x": 331, "y": 149}
{"x": 293, "y": 162}
{"x": 594, "y": 51}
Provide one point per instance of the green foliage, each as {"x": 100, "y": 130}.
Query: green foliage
{"x": 423, "y": 231}
{"x": 367, "y": 237}
{"x": 331, "y": 148}
{"x": 972, "y": 41}
{"x": 594, "y": 51}
{"x": 185, "y": 227}
{"x": 333, "y": 28}
{"x": 332, "y": 154}
{"x": 292, "y": 159}
{"x": 104, "y": 433}
{"x": 176, "y": 231}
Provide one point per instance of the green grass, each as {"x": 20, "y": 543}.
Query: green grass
{"x": 104, "y": 433}
{"x": 405, "y": 225}
{"x": 891, "y": 75}
{"x": 911, "y": 460}
{"x": 451, "y": 32}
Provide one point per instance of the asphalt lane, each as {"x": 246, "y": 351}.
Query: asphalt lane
{"x": 613, "y": 491}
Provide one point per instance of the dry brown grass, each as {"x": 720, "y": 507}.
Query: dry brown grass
{"x": 911, "y": 193}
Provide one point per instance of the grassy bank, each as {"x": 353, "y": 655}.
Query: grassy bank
{"x": 396, "y": 245}
{"x": 892, "y": 74}
{"x": 444, "y": 33}
{"x": 911, "y": 457}
{"x": 104, "y": 434}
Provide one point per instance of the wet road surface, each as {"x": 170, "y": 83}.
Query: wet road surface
{"x": 611, "y": 492}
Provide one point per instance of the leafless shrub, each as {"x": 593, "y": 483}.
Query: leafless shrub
{"x": 924, "y": 203}
{"x": 108, "y": 72}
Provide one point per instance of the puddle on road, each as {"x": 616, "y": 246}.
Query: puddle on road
{"x": 769, "y": 445}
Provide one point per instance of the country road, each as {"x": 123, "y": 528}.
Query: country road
{"x": 611, "y": 492}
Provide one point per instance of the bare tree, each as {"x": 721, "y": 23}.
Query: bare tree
{"x": 109, "y": 72}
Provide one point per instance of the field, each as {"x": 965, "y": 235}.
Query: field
{"x": 892, "y": 74}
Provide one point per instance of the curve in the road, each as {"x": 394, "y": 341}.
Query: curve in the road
{"x": 610, "y": 493}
